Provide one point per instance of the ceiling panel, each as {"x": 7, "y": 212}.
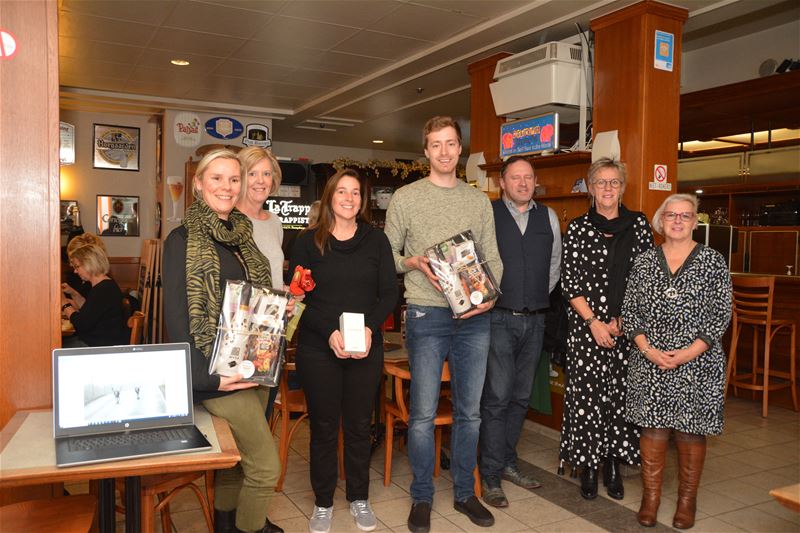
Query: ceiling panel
{"x": 84, "y": 49}
{"x": 220, "y": 20}
{"x": 242, "y": 98}
{"x": 93, "y": 28}
{"x": 152, "y": 57}
{"x": 348, "y": 13}
{"x": 262, "y": 6}
{"x": 164, "y": 76}
{"x": 381, "y": 45}
{"x": 283, "y": 54}
{"x": 312, "y": 34}
{"x": 193, "y": 42}
{"x": 91, "y": 67}
{"x": 484, "y": 9}
{"x": 422, "y": 22}
{"x": 127, "y": 10}
{"x": 253, "y": 70}
{"x": 318, "y": 78}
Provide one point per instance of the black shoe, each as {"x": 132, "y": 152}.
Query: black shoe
{"x": 589, "y": 483}
{"x": 269, "y": 527}
{"x": 419, "y": 519}
{"x": 477, "y": 513}
{"x": 224, "y": 521}
{"x": 492, "y": 492}
{"x": 612, "y": 479}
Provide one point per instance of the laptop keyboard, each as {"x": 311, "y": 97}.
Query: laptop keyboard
{"x": 135, "y": 438}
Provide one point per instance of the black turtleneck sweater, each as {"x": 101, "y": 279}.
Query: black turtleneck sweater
{"x": 355, "y": 276}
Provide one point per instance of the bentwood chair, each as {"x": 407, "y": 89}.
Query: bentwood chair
{"x": 69, "y": 514}
{"x": 753, "y": 298}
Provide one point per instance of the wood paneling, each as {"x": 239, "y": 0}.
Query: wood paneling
{"x": 29, "y": 218}
{"x": 125, "y": 271}
{"x": 484, "y": 123}
{"x": 636, "y": 99}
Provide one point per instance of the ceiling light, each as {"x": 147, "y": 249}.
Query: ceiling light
{"x": 377, "y": 141}
{"x": 180, "y": 62}
{"x": 699, "y": 191}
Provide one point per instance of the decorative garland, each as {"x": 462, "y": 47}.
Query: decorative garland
{"x": 397, "y": 168}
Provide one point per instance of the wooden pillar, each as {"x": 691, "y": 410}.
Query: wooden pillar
{"x": 29, "y": 200}
{"x": 639, "y": 100}
{"x": 484, "y": 128}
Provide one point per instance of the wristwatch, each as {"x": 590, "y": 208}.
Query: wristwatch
{"x": 589, "y": 320}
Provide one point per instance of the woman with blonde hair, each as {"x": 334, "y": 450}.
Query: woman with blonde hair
{"x": 99, "y": 318}
{"x": 215, "y": 244}
{"x": 75, "y": 288}
{"x": 677, "y": 307}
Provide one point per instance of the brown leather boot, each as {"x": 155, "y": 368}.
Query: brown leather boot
{"x": 691, "y": 456}
{"x": 653, "y": 445}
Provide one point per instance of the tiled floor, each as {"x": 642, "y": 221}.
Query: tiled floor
{"x": 752, "y": 456}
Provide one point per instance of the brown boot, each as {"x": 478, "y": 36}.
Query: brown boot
{"x": 653, "y": 445}
{"x": 691, "y": 456}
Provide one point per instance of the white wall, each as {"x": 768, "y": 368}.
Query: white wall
{"x": 81, "y": 182}
{"x": 327, "y": 154}
{"x": 738, "y": 59}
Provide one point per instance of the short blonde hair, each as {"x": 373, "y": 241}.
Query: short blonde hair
{"x": 92, "y": 258}
{"x": 658, "y": 223}
{"x": 82, "y": 240}
{"x": 209, "y": 158}
{"x": 607, "y": 162}
{"x": 252, "y": 155}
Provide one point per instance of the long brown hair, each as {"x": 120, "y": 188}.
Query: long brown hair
{"x": 323, "y": 227}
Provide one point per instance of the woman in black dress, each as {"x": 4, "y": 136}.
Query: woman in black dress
{"x": 677, "y": 307}
{"x": 599, "y": 248}
{"x": 354, "y": 272}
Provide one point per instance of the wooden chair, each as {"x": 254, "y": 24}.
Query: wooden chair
{"x": 291, "y": 401}
{"x": 136, "y": 323}
{"x": 70, "y": 514}
{"x": 753, "y": 306}
{"x": 397, "y": 409}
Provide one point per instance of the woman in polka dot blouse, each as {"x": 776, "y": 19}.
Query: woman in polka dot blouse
{"x": 599, "y": 249}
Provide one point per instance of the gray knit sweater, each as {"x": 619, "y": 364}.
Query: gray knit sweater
{"x": 422, "y": 214}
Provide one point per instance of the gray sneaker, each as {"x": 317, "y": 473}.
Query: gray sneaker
{"x": 517, "y": 477}
{"x": 320, "y": 521}
{"x": 362, "y": 512}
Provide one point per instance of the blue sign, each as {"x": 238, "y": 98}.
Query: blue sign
{"x": 529, "y": 135}
{"x": 665, "y": 51}
{"x": 224, "y": 127}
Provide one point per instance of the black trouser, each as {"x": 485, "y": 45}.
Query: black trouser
{"x": 340, "y": 389}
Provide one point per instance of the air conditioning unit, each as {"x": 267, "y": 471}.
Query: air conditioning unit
{"x": 541, "y": 80}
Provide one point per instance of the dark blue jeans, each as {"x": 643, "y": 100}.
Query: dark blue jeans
{"x": 433, "y": 335}
{"x": 513, "y": 357}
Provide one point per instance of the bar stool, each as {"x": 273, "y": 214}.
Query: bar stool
{"x": 753, "y": 298}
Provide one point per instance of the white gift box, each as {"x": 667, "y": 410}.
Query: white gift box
{"x": 353, "y": 332}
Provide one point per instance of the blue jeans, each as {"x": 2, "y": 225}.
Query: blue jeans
{"x": 513, "y": 358}
{"x": 433, "y": 335}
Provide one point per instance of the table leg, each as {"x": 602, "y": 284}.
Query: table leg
{"x": 106, "y": 507}
{"x": 133, "y": 504}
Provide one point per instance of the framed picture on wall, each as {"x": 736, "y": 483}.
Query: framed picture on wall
{"x": 116, "y": 147}
{"x": 118, "y": 216}
{"x": 69, "y": 215}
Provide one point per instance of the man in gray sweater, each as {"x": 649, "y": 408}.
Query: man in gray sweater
{"x": 422, "y": 215}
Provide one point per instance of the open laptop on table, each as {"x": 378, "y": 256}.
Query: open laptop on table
{"x": 123, "y": 402}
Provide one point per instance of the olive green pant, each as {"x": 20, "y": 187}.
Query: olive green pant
{"x": 248, "y": 486}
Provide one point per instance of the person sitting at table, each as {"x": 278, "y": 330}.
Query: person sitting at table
{"x": 215, "y": 244}
{"x": 99, "y": 319}
{"x": 354, "y": 272}
{"x": 73, "y": 285}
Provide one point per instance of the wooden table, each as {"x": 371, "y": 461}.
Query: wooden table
{"x": 28, "y": 457}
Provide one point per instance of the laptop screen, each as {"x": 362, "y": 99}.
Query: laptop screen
{"x": 117, "y": 388}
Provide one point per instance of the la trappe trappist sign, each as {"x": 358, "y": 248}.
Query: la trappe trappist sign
{"x": 292, "y": 212}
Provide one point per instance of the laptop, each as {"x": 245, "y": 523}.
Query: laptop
{"x": 123, "y": 402}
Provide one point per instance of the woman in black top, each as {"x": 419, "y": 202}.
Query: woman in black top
{"x": 351, "y": 263}
{"x": 215, "y": 244}
{"x": 99, "y": 318}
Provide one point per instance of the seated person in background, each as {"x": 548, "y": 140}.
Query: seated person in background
{"x": 76, "y": 288}
{"x": 100, "y": 319}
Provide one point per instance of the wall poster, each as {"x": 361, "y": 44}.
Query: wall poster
{"x": 116, "y": 147}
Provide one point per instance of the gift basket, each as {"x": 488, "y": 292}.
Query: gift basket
{"x": 250, "y": 333}
{"x": 464, "y": 276}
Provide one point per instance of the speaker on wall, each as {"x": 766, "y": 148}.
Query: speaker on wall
{"x": 294, "y": 172}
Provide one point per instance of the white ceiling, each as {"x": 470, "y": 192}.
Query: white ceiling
{"x": 327, "y": 72}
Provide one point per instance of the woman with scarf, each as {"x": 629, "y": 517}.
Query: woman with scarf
{"x": 599, "y": 249}
{"x": 215, "y": 244}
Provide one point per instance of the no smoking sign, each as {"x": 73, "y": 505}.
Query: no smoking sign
{"x": 8, "y": 45}
{"x": 659, "y": 182}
